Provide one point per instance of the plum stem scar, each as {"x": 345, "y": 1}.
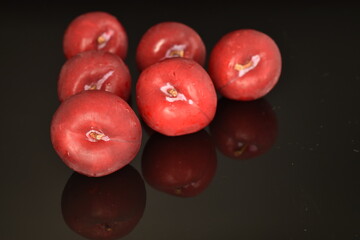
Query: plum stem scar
{"x": 101, "y": 39}
{"x": 245, "y": 68}
{"x": 104, "y": 38}
{"x": 98, "y": 84}
{"x": 171, "y": 94}
{"x": 95, "y": 136}
{"x": 239, "y": 152}
{"x": 175, "y": 51}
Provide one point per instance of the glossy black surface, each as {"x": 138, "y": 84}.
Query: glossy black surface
{"x": 304, "y": 185}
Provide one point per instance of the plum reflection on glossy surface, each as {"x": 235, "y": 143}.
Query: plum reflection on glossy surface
{"x": 109, "y": 207}
{"x": 244, "y": 130}
{"x": 182, "y": 166}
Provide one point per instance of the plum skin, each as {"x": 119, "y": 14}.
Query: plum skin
{"x": 258, "y": 57}
{"x": 160, "y": 38}
{"x": 191, "y": 108}
{"x": 95, "y": 133}
{"x": 84, "y": 32}
{"x": 86, "y": 69}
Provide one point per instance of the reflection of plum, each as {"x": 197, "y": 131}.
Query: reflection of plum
{"x": 244, "y": 130}
{"x": 104, "y": 208}
{"x": 181, "y": 166}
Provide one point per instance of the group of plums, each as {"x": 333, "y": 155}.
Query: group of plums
{"x": 95, "y": 131}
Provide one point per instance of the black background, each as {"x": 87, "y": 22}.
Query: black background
{"x": 305, "y": 187}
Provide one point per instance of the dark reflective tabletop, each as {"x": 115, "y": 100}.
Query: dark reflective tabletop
{"x": 286, "y": 166}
